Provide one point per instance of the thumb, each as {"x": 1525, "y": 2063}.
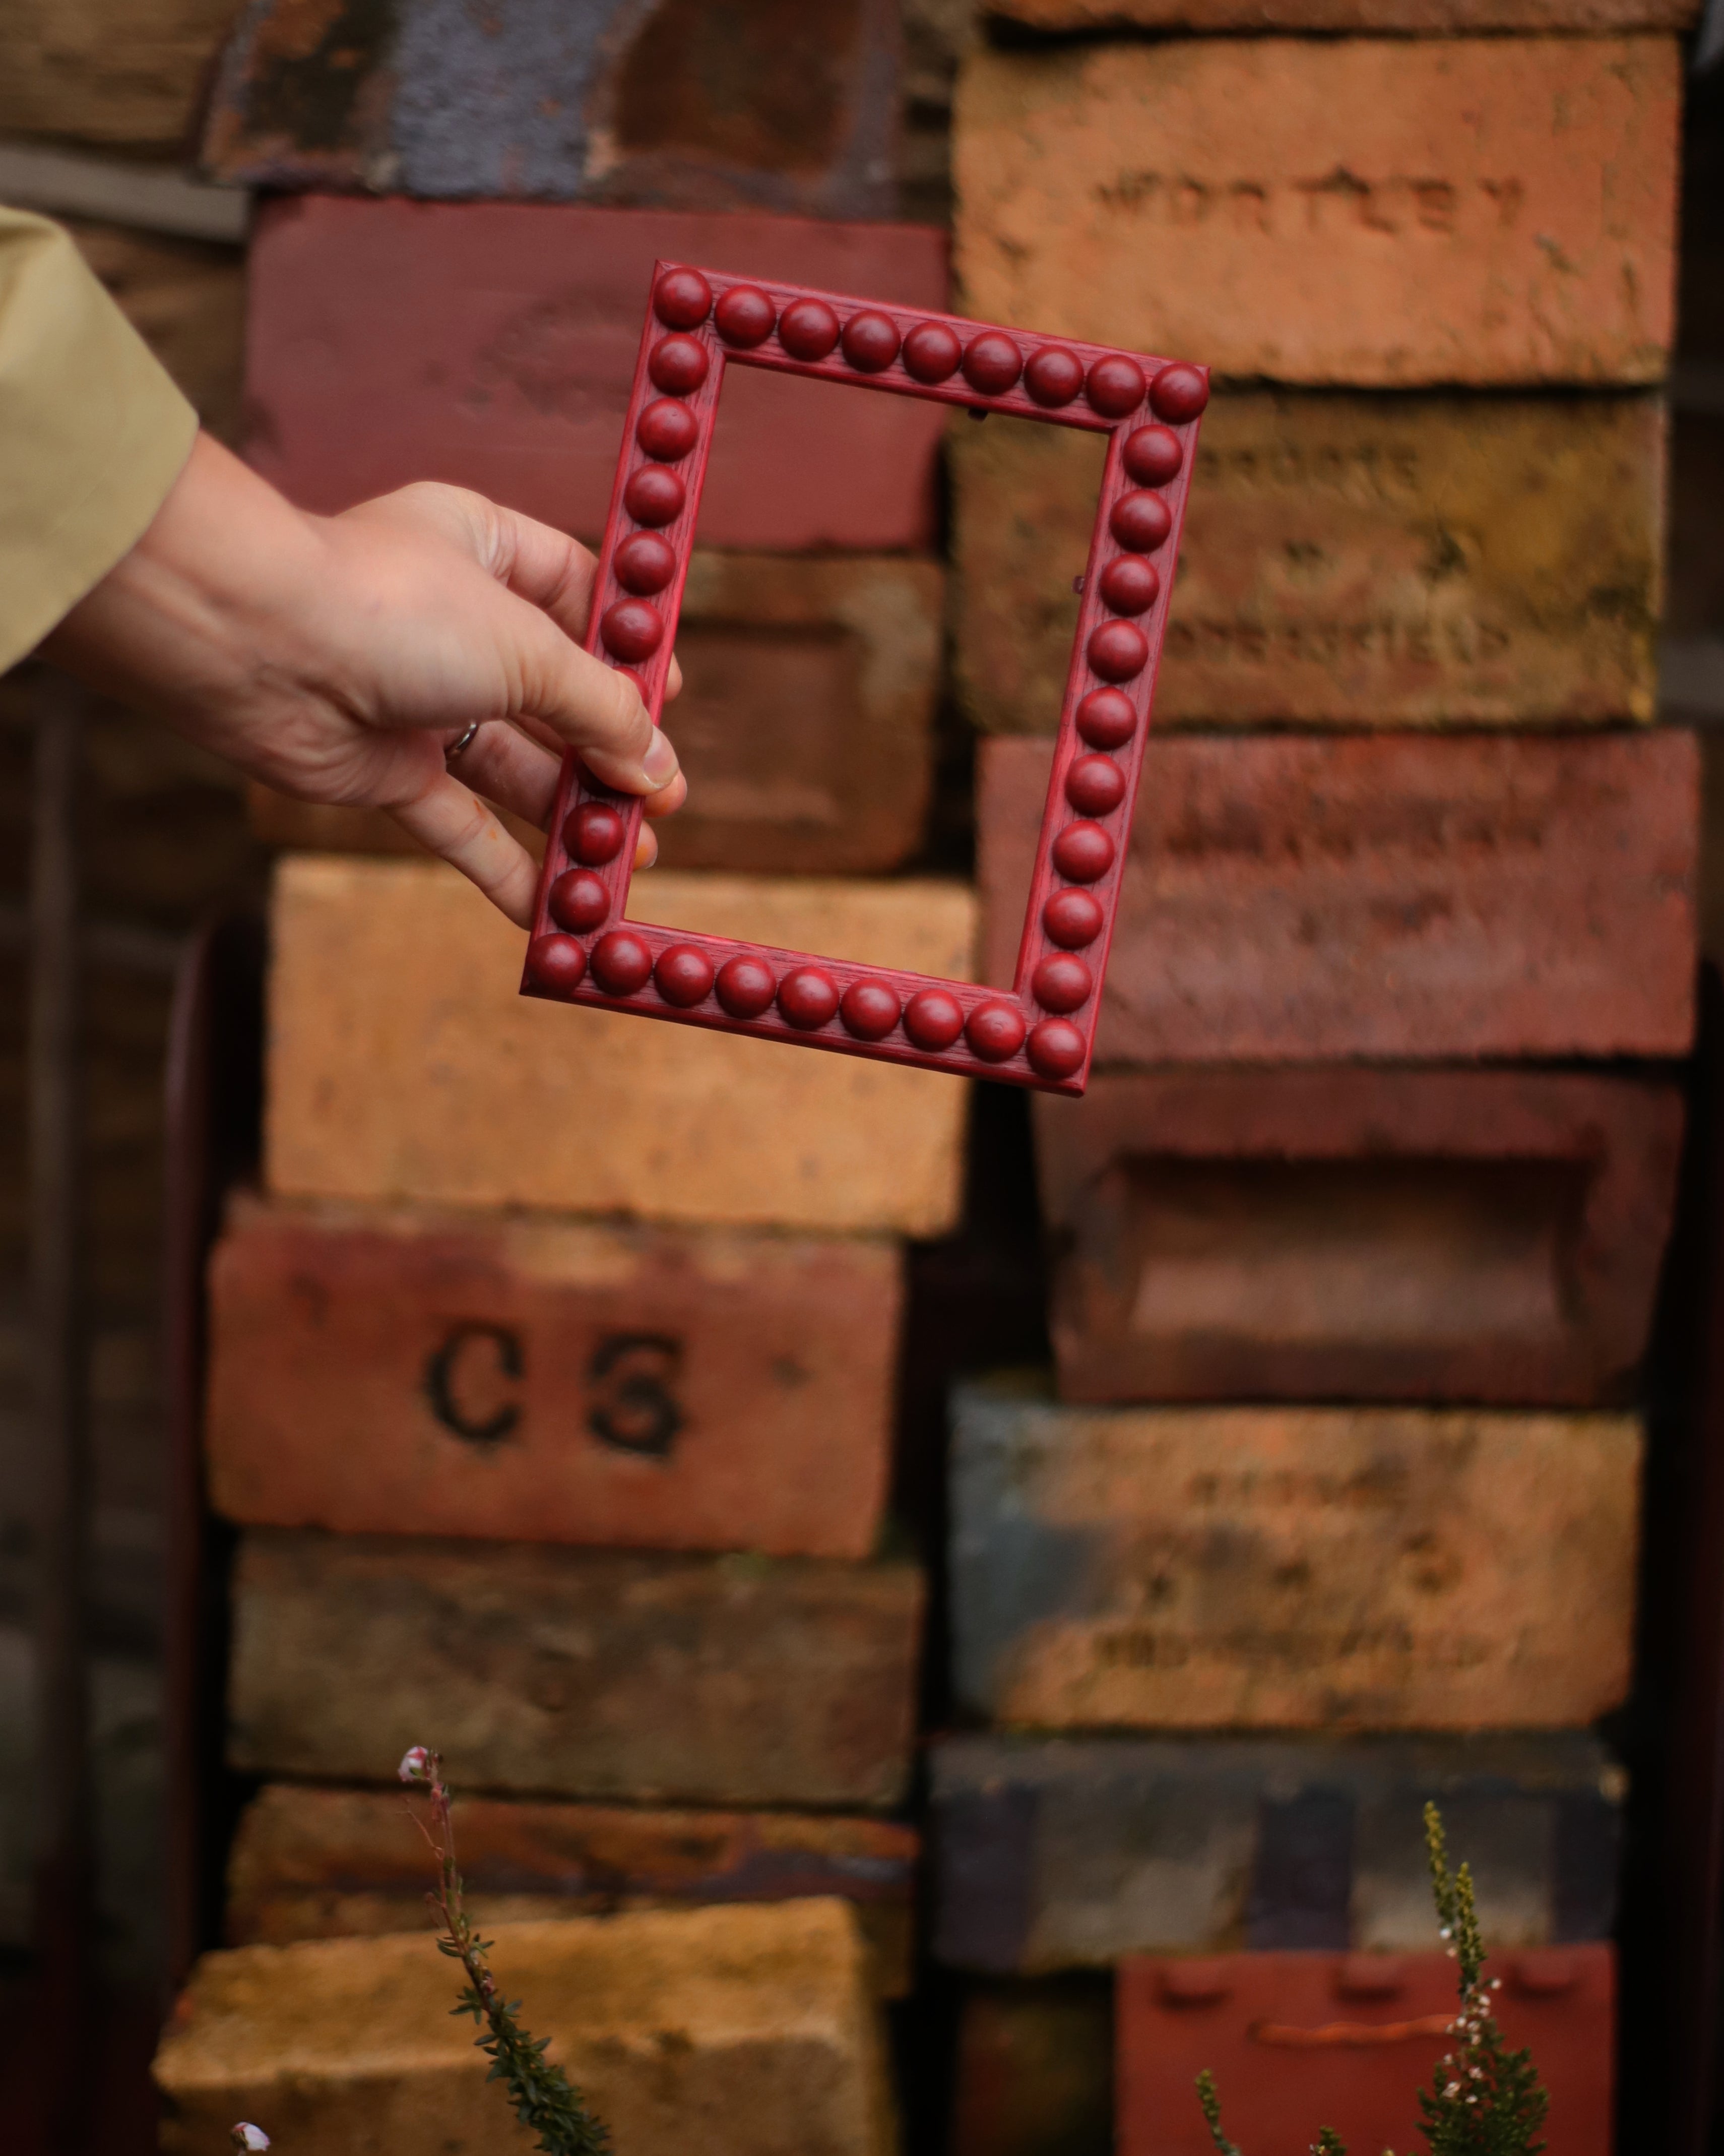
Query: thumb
{"x": 590, "y": 707}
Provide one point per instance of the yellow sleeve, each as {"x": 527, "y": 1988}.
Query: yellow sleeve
{"x": 93, "y": 434}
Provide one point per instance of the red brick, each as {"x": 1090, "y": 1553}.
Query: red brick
{"x": 1380, "y": 2022}
{"x": 1383, "y": 896}
{"x": 805, "y": 725}
{"x": 404, "y": 1372}
{"x": 1376, "y": 211}
{"x": 311, "y": 1863}
{"x": 698, "y": 105}
{"x": 1347, "y": 1234}
{"x": 493, "y": 344}
{"x": 613, "y": 1675}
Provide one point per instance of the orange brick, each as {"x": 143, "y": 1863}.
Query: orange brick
{"x": 1426, "y": 18}
{"x": 1289, "y": 1568}
{"x": 311, "y": 1863}
{"x": 403, "y": 1062}
{"x": 1376, "y": 212}
{"x": 399, "y": 1372}
{"x": 1348, "y": 560}
{"x": 732, "y": 2030}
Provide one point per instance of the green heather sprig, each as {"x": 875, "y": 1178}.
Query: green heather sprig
{"x": 1484, "y": 2100}
{"x": 544, "y": 2098}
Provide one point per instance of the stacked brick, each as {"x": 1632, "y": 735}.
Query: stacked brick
{"x": 1329, "y": 1504}
{"x": 553, "y": 1365}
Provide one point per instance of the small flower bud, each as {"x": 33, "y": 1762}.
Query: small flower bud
{"x": 248, "y": 2139}
{"x": 415, "y": 1764}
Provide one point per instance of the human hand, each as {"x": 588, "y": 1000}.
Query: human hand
{"x": 338, "y": 659}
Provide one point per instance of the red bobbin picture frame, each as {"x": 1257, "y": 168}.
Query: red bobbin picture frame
{"x": 1040, "y": 1033}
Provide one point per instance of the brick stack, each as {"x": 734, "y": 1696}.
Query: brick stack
{"x": 553, "y": 1365}
{"x": 1331, "y": 1505}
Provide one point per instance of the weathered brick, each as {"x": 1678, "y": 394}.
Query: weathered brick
{"x": 1382, "y": 896}
{"x": 1297, "y": 2041}
{"x": 805, "y": 725}
{"x": 1438, "y": 19}
{"x": 1417, "y": 561}
{"x": 719, "y": 1681}
{"x": 402, "y": 1063}
{"x": 493, "y": 344}
{"x": 126, "y": 74}
{"x": 396, "y": 1371}
{"x": 311, "y": 1863}
{"x": 1348, "y": 1234}
{"x": 698, "y": 105}
{"x": 1068, "y": 1853}
{"x": 729, "y": 2029}
{"x": 1035, "y": 2069}
{"x": 1289, "y": 1568}
{"x": 1362, "y": 210}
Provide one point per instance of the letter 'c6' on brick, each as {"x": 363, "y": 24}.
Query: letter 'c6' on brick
{"x": 932, "y": 352}
{"x": 1153, "y": 455}
{"x": 1054, "y": 377}
{"x": 654, "y": 496}
{"x": 1055, "y": 1049}
{"x": 555, "y": 962}
{"x": 994, "y": 1031}
{"x": 578, "y": 900}
{"x": 593, "y": 833}
{"x": 621, "y": 963}
{"x": 869, "y": 1009}
{"x": 666, "y": 430}
{"x": 870, "y": 341}
{"x": 745, "y": 986}
{"x": 1116, "y": 386}
{"x": 1116, "y": 650}
{"x": 1179, "y": 393}
{"x": 1072, "y": 919}
{"x": 1106, "y": 719}
{"x": 678, "y": 364}
{"x": 633, "y": 630}
{"x": 745, "y": 317}
{"x": 808, "y": 997}
{"x": 933, "y": 1020}
{"x": 992, "y": 363}
{"x": 1061, "y": 982}
{"x": 1095, "y": 785}
{"x": 1083, "y": 852}
{"x": 645, "y": 563}
{"x": 807, "y": 329}
{"x": 682, "y": 297}
{"x": 683, "y": 975}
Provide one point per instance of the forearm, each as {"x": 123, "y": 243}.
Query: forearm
{"x": 205, "y": 622}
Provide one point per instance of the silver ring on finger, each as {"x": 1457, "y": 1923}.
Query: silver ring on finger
{"x": 456, "y": 748}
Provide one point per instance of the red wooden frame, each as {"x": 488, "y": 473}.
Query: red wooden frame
{"x": 1042, "y": 1032}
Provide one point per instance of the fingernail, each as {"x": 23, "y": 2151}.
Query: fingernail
{"x": 659, "y": 762}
